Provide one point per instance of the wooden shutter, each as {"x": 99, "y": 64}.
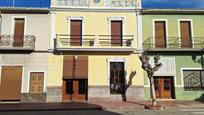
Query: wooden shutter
{"x": 116, "y": 33}
{"x": 160, "y": 34}
{"x": 185, "y": 29}
{"x": 68, "y": 67}
{"x": 75, "y": 67}
{"x": 19, "y": 32}
{"x": 76, "y": 32}
{"x": 36, "y": 82}
{"x": 82, "y": 67}
{"x": 11, "y": 83}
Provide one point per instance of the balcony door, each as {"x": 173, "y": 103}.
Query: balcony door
{"x": 76, "y": 33}
{"x": 185, "y": 32}
{"x": 160, "y": 34}
{"x": 116, "y": 33}
{"x": 19, "y": 32}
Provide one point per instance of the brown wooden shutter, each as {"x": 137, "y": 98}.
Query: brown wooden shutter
{"x": 185, "y": 29}
{"x": 160, "y": 34}
{"x": 82, "y": 67}
{"x": 11, "y": 83}
{"x": 68, "y": 67}
{"x": 76, "y": 32}
{"x": 75, "y": 67}
{"x": 19, "y": 32}
{"x": 116, "y": 33}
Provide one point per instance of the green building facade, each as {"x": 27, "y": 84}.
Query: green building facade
{"x": 177, "y": 35}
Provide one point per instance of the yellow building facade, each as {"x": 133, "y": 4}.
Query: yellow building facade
{"x": 95, "y": 51}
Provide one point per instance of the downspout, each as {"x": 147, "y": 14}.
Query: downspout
{"x": 139, "y": 30}
{"x": 0, "y": 23}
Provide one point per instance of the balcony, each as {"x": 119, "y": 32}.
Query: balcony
{"x": 9, "y": 42}
{"x": 65, "y": 42}
{"x": 95, "y": 3}
{"x": 174, "y": 44}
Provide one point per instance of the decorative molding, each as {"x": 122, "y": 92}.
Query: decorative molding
{"x": 69, "y": 18}
{"x": 120, "y": 3}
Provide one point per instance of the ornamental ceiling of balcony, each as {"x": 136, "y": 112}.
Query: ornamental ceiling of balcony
{"x": 173, "y": 4}
{"x": 25, "y": 3}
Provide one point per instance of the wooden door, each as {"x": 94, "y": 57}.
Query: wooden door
{"x": 76, "y": 33}
{"x": 75, "y": 90}
{"x": 11, "y": 83}
{"x": 185, "y": 30}
{"x": 116, "y": 33}
{"x": 164, "y": 87}
{"x": 160, "y": 34}
{"x": 18, "y": 33}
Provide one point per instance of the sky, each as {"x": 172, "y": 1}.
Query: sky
{"x": 173, "y": 4}
{"x": 25, "y": 3}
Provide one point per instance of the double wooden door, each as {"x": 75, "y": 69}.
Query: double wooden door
{"x": 164, "y": 87}
{"x": 75, "y": 89}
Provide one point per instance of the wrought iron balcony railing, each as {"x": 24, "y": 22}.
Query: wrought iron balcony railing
{"x": 26, "y": 42}
{"x": 94, "y": 3}
{"x": 96, "y": 42}
{"x": 173, "y": 43}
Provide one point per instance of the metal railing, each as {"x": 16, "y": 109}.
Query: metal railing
{"x": 173, "y": 43}
{"x": 93, "y": 41}
{"x": 11, "y": 41}
{"x": 89, "y": 3}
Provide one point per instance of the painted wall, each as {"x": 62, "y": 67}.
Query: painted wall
{"x": 34, "y": 62}
{"x": 173, "y": 27}
{"x": 96, "y": 23}
{"x": 182, "y": 60}
{"x": 97, "y": 69}
{"x": 35, "y": 24}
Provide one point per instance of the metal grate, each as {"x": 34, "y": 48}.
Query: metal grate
{"x": 193, "y": 80}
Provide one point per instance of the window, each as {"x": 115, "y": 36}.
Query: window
{"x": 36, "y": 82}
{"x": 166, "y": 85}
{"x": 193, "y": 80}
{"x": 82, "y": 86}
{"x": 156, "y": 85}
{"x": 69, "y": 87}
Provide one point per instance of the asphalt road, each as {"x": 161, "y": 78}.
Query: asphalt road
{"x": 58, "y": 112}
{"x": 103, "y": 112}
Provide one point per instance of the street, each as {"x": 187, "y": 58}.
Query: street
{"x": 164, "y": 112}
{"x": 103, "y": 112}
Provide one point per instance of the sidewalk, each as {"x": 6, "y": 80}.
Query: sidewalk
{"x": 99, "y": 104}
{"x": 132, "y": 104}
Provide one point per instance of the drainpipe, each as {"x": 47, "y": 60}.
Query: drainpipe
{"x": 0, "y": 23}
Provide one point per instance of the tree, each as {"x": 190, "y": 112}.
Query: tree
{"x": 150, "y": 72}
